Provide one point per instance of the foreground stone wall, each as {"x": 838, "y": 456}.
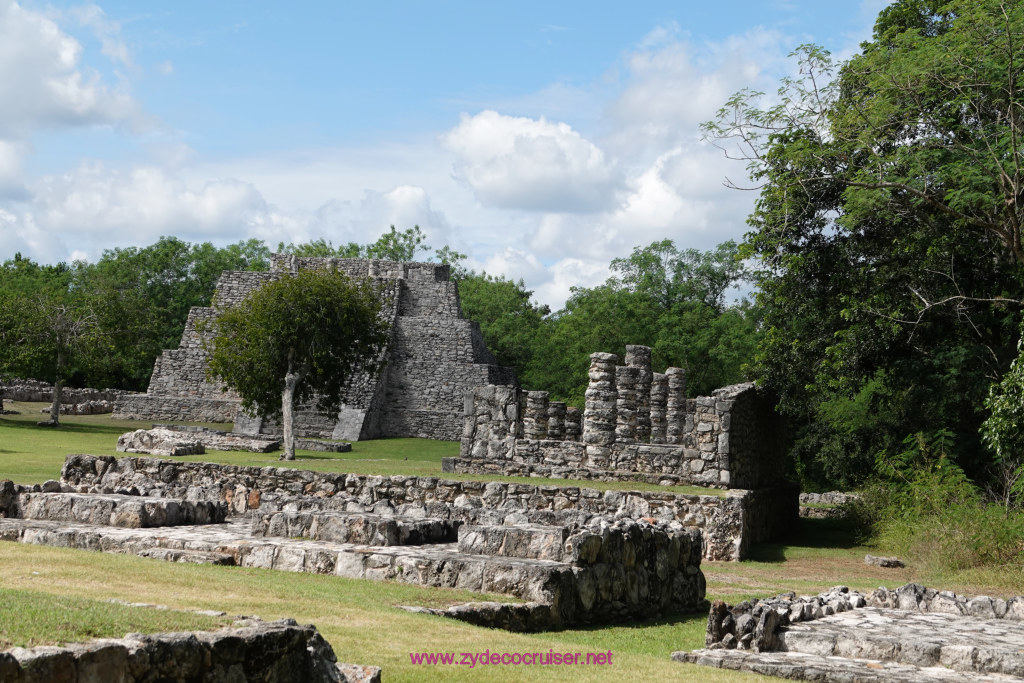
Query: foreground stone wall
{"x": 729, "y": 522}
{"x": 261, "y": 651}
{"x": 434, "y": 355}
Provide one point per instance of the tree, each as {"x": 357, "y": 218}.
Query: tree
{"x": 142, "y": 298}
{"x": 659, "y": 296}
{"x": 58, "y": 330}
{"x": 391, "y": 246}
{"x": 509, "y": 320}
{"x": 297, "y": 338}
{"x": 887, "y": 232}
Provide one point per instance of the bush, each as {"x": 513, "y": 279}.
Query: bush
{"x": 923, "y": 508}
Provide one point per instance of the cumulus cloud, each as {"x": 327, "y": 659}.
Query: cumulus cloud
{"x": 531, "y": 164}
{"x": 43, "y": 84}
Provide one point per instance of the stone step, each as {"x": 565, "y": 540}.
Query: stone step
{"x": 802, "y": 666}
{"x": 189, "y": 556}
{"x": 360, "y": 528}
{"x": 533, "y": 541}
{"x": 119, "y": 510}
{"x": 909, "y": 637}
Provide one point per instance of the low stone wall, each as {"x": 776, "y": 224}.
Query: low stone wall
{"x": 30, "y": 390}
{"x": 152, "y": 408}
{"x": 730, "y": 522}
{"x": 270, "y": 651}
{"x": 344, "y": 527}
{"x": 132, "y": 512}
{"x": 755, "y": 625}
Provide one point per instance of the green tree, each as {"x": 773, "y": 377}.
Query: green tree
{"x": 508, "y": 318}
{"x": 391, "y": 246}
{"x": 142, "y": 297}
{"x": 298, "y": 338}
{"x": 886, "y": 233}
{"x": 659, "y": 296}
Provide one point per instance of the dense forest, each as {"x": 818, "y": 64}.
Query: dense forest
{"x": 884, "y": 255}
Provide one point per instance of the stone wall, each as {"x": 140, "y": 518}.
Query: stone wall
{"x": 30, "y": 390}
{"x": 728, "y": 522}
{"x": 635, "y": 423}
{"x": 255, "y": 651}
{"x": 434, "y": 356}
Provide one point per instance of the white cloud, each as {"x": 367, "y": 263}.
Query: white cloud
{"x": 531, "y": 164}
{"x": 108, "y": 32}
{"x": 42, "y": 83}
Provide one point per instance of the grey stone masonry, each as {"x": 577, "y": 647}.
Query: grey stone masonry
{"x": 433, "y": 357}
{"x": 133, "y": 512}
{"x": 556, "y": 421}
{"x": 599, "y": 417}
{"x": 659, "y": 407}
{"x": 675, "y": 405}
{"x": 626, "y": 379}
{"x": 250, "y": 651}
{"x": 640, "y": 357}
{"x": 725, "y": 440}
{"x": 730, "y": 524}
{"x": 583, "y": 556}
{"x": 909, "y": 634}
{"x": 573, "y": 423}
{"x": 350, "y": 527}
{"x": 535, "y": 416}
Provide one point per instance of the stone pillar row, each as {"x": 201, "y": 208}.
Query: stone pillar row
{"x": 624, "y": 404}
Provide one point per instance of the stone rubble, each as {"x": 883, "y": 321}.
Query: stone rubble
{"x": 901, "y": 634}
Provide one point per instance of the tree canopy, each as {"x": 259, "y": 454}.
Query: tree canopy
{"x": 886, "y": 232}
{"x": 298, "y": 338}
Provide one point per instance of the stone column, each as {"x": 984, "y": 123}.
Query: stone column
{"x": 535, "y": 418}
{"x": 659, "y": 398}
{"x": 675, "y": 405}
{"x": 640, "y": 357}
{"x": 573, "y": 423}
{"x": 599, "y": 412}
{"x": 626, "y": 379}
{"x": 556, "y": 420}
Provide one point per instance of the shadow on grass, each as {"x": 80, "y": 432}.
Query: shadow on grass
{"x": 64, "y": 427}
{"x": 812, "y": 533}
{"x": 699, "y": 615}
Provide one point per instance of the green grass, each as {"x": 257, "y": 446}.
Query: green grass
{"x": 30, "y": 454}
{"x": 361, "y": 619}
{"x": 29, "y": 618}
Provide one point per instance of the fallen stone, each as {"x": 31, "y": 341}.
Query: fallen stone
{"x": 885, "y": 562}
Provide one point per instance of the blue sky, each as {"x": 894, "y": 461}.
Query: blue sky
{"x": 542, "y": 139}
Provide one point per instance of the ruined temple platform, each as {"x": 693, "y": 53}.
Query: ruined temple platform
{"x": 910, "y": 634}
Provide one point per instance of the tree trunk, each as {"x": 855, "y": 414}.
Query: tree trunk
{"x": 58, "y": 390}
{"x": 291, "y": 380}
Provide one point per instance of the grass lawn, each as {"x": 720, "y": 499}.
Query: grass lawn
{"x": 54, "y": 594}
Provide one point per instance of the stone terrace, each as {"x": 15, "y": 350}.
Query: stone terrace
{"x": 571, "y": 569}
{"x": 909, "y": 634}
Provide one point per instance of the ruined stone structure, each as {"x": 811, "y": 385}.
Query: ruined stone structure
{"x": 909, "y": 634}
{"x": 252, "y": 650}
{"x": 577, "y": 556}
{"x": 434, "y": 355}
{"x": 637, "y": 425}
